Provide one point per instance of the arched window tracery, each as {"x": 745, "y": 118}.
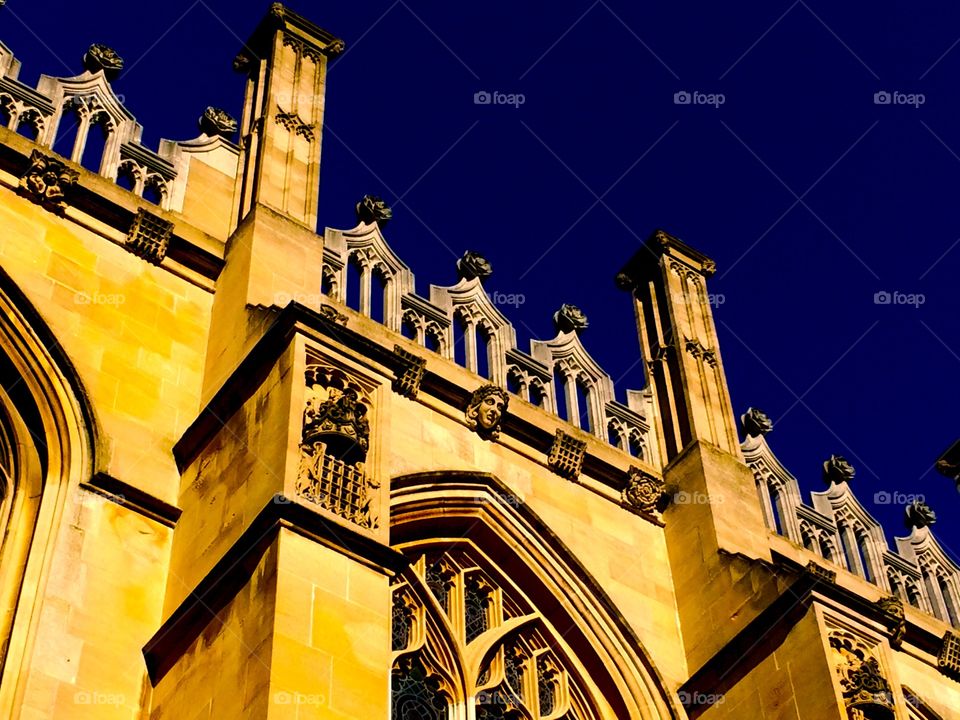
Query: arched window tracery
{"x": 467, "y": 647}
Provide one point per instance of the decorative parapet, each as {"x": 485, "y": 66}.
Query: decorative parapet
{"x": 578, "y": 373}
{"x": 365, "y": 250}
{"x": 462, "y": 323}
{"x": 839, "y": 529}
{"x": 476, "y": 319}
{"x": 426, "y": 324}
{"x": 72, "y": 107}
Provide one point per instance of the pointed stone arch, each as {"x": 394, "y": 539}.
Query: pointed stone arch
{"x": 613, "y": 669}
{"x": 48, "y": 420}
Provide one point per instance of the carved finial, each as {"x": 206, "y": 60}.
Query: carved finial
{"x": 474, "y": 265}
{"x": 570, "y": 318}
{"x": 488, "y": 405}
{"x": 837, "y": 470}
{"x": 276, "y": 9}
{"x": 919, "y": 515}
{"x": 371, "y": 209}
{"x": 755, "y": 423}
{"x": 215, "y": 121}
{"x": 948, "y": 464}
{"x": 101, "y": 57}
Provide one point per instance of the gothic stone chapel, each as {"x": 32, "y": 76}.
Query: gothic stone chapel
{"x": 218, "y": 502}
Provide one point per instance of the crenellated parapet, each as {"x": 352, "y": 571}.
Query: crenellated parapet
{"x": 462, "y": 323}
{"x": 840, "y": 530}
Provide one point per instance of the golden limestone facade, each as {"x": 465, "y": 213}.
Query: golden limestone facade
{"x": 229, "y": 492}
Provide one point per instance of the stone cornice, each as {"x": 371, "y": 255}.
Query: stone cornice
{"x": 536, "y": 430}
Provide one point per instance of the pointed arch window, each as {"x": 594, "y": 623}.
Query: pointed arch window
{"x": 466, "y": 645}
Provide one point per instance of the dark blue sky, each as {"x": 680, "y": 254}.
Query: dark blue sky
{"x": 810, "y": 196}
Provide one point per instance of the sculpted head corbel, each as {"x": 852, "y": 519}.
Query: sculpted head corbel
{"x": 485, "y": 412}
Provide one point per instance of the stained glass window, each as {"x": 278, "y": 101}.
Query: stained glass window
{"x": 415, "y": 696}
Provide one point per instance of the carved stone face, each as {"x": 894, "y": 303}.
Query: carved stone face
{"x": 486, "y": 410}
{"x": 490, "y": 412}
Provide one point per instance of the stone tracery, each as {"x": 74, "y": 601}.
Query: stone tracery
{"x": 478, "y": 645}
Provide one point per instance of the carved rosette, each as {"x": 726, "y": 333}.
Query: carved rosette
{"x": 372, "y": 209}
{"x": 334, "y": 443}
{"x": 837, "y": 469}
{"x": 862, "y": 683}
{"x": 486, "y": 409}
{"x": 643, "y": 492}
{"x": 47, "y": 181}
{"x": 215, "y": 121}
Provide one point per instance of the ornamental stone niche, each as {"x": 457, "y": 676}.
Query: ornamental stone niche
{"x": 334, "y": 445}
{"x": 485, "y": 412}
